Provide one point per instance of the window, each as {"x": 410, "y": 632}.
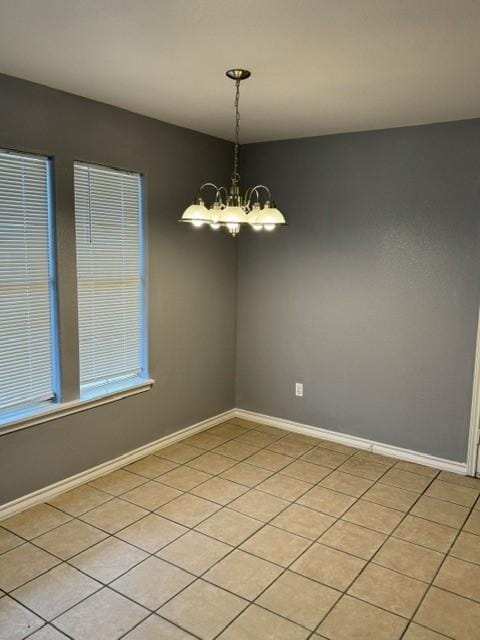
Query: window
{"x": 27, "y": 289}
{"x": 110, "y": 281}
{"x": 110, "y": 276}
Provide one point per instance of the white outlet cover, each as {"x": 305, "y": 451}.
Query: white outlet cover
{"x": 299, "y": 389}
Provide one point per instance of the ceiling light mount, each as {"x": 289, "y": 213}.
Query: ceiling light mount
{"x": 238, "y": 74}
{"x": 230, "y": 208}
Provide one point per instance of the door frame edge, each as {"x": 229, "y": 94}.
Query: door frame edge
{"x": 474, "y": 432}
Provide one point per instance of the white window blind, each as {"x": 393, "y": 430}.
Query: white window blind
{"x": 110, "y": 275}
{"x": 26, "y": 286}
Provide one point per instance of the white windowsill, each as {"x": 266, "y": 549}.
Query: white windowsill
{"x": 52, "y": 411}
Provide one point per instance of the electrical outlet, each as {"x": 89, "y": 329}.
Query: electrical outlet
{"x": 299, "y": 389}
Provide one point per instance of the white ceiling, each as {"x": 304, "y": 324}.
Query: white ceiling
{"x": 319, "y": 66}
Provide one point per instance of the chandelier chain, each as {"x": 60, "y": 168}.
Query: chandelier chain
{"x": 231, "y": 208}
{"x": 236, "y": 174}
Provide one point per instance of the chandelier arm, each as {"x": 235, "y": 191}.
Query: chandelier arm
{"x": 207, "y": 184}
{"x": 255, "y": 190}
{"x": 219, "y": 197}
{"x": 248, "y": 196}
{"x": 204, "y": 186}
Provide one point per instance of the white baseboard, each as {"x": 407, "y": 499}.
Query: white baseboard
{"x": 355, "y": 441}
{"x": 46, "y": 493}
{"x": 42, "y": 495}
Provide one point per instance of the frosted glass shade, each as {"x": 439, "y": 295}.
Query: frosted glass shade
{"x": 252, "y": 218}
{"x": 232, "y": 211}
{"x": 232, "y": 215}
{"x": 269, "y": 216}
{"x": 215, "y": 211}
{"x": 197, "y": 214}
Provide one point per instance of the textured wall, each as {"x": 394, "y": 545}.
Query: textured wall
{"x": 370, "y": 297}
{"x": 192, "y": 281}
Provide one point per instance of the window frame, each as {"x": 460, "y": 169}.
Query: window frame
{"x": 16, "y": 412}
{"x": 61, "y": 200}
{"x": 113, "y": 387}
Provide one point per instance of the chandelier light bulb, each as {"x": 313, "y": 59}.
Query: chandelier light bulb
{"x": 253, "y": 215}
{"x": 231, "y": 208}
{"x": 214, "y": 215}
{"x": 233, "y": 228}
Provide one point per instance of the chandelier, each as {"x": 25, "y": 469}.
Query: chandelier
{"x": 230, "y": 208}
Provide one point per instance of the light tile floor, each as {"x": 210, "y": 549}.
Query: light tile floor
{"x": 247, "y": 532}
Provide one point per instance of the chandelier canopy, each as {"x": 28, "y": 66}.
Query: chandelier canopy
{"x": 230, "y": 208}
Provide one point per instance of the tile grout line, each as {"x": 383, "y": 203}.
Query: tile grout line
{"x": 103, "y": 585}
{"x": 446, "y": 555}
{"x": 206, "y": 581}
{"x": 156, "y": 479}
{"x": 209, "y": 567}
{"x": 109, "y": 535}
{"x": 237, "y": 547}
{"x": 367, "y": 563}
{"x": 275, "y": 473}
{"x": 253, "y": 602}
{"x": 430, "y": 583}
{"x": 111, "y": 498}
{"x": 232, "y": 550}
{"x": 318, "y": 539}
{"x": 61, "y": 560}
{"x": 248, "y": 489}
{"x": 315, "y": 541}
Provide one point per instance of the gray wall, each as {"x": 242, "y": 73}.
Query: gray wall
{"x": 370, "y": 297}
{"x": 192, "y": 279}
